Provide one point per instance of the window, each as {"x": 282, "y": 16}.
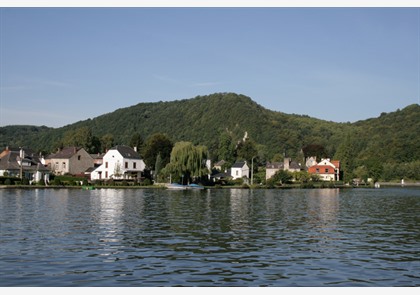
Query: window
{"x": 78, "y": 157}
{"x": 317, "y": 170}
{"x": 134, "y": 165}
{"x": 327, "y": 170}
{"x": 64, "y": 165}
{"x": 237, "y": 172}
{"x": 126, "y": 165}
{"x": 106, "y": 164}
{"x": 106, "y": 174}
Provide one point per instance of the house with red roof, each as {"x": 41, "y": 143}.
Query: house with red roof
{"x": 328, "y": 170}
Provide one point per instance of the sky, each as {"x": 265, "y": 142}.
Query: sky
{"x": 60, "y": 65}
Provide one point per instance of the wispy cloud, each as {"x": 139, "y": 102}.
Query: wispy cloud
{"x": 30, "y": 83}
{"x": 205, "y": 84}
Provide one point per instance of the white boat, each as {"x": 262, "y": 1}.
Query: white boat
{"x": 176, "y": 186}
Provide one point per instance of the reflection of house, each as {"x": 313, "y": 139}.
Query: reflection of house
{"x": 70, "y": 160}
{"x": 326, "y": 169}
{"x": 12, "y": 161}
{"x": 120, "y": 162}
{"x": 287, "y": 165}
{"x": 239, "y": 170}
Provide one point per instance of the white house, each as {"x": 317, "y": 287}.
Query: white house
{"x": 120, "y": 162}
{"x": 239, "y": 170}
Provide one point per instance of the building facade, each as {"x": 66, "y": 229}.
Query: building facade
{"x": 120, "y": 162}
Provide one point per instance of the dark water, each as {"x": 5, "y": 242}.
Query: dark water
{"x": 326, "y": 237}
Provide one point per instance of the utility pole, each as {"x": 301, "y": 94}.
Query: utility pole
{"x": 252, "y": 170}
{"x": 21, "y": 155}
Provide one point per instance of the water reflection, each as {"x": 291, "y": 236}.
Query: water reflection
{"x": 239, "y": 237}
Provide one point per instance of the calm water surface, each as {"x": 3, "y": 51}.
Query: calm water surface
{"x": 140, "y": 237}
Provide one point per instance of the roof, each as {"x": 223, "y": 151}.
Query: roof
{"x": 294, "y": 165}
{"x": 222, "y": 175}
{"x": 10, "y": 161}
{"x": 238, "y": 165}
{"x": 274, "y": 165}
{"x": 322, "y": 169}
{"x": 220, "y": 163}
{"x": 127, "y": 152}
{"x": 65, "y": 153}
{"x": 97, "y": 156}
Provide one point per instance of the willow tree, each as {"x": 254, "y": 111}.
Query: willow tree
{"x": 187, "y": 161}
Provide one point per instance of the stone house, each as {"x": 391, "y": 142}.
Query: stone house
{"x": 287, "y": 165}
{"x": 70, "y": 160}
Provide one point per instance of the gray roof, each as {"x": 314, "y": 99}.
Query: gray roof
{"x": 9, "y": 161}
{"x": 127, "y": 152}
{"x": 238, "y": 165}
{"x": 274, "y": 165}
{"x": 65, "y": 153}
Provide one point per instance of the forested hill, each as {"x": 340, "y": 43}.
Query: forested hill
{"x": 202, "y": 120}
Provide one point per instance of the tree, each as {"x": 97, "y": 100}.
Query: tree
{"x": 136, "y": 141}
{"x": 107, "y": 142}
{"x": 280, "y": 177}
{"x": 82, "y": 137}
{"x": 314, "y": 150}
{"x": 247, "y": 150}
{"x": 188, "y": 161}
{"x": 226, "y": 147}
{"x": 361, "y": 172}
{"x": 158, "y": 165}
{"x": 157, "y": 143}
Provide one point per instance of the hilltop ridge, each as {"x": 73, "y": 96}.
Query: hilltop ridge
{"x": 202, "y": 119}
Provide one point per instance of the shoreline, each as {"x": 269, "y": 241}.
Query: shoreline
{"x": 90, "y": 187}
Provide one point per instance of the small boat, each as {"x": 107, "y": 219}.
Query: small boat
{"x": 88, "y": 187}
{"x": 194, "y": 186}
{"x": 176, "y": 186}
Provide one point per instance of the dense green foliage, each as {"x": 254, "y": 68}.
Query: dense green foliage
{"x": 188, "y": 162}
{"x": 219, "y": 122}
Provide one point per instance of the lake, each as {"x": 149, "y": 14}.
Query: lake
{"x": 216, "y": 237}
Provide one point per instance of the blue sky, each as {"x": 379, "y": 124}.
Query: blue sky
{"x": 62, "y": 65}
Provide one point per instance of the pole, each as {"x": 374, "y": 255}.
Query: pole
{"x": 252, "y": 170}
{"x": 21, "y": 155}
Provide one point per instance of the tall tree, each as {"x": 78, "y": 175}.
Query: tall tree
{"x": 187, "y": 161}
{"x": 226, "y": 147}
{"x": 107, "y": 142}
{"x": 136, "y": 141}
{"x": 157, "y": 143}
{"x": 247, "y": 150}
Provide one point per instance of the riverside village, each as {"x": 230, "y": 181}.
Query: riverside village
{"x": 123, "y": 166}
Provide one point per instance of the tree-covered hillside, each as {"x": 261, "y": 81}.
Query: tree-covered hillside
{"x": 200, "y": 120}
{"x": 204, "y": 120}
